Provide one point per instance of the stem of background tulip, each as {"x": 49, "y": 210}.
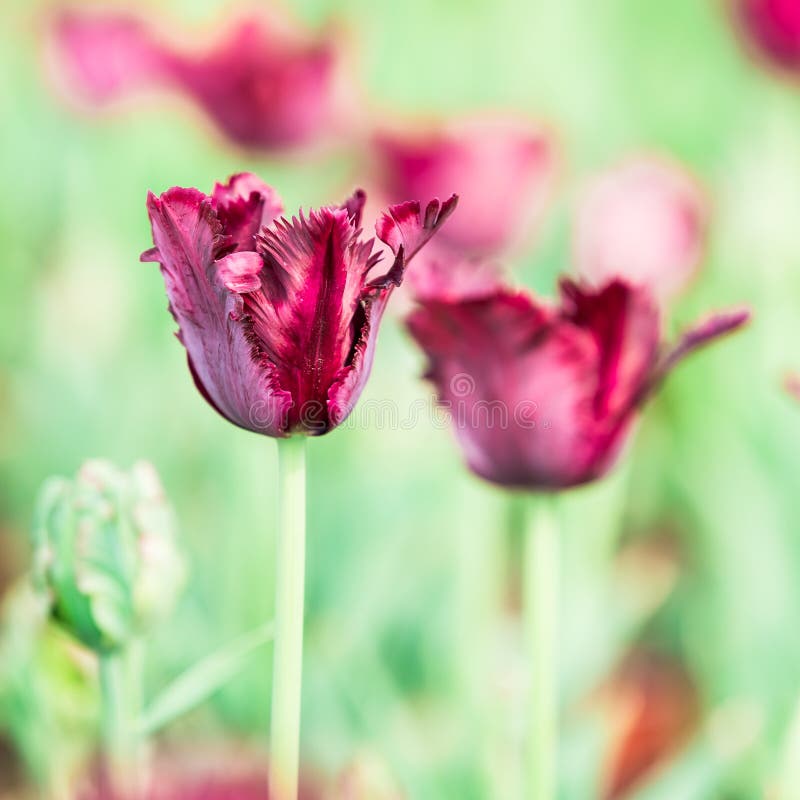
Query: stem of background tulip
{"x": 120, "y": 689}
{"x": 540, "y": 601}
{"x": 290, "y": 586}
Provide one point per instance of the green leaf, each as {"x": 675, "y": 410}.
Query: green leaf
{"x": 202, "y": 680}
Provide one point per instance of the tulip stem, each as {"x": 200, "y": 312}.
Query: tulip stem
{"x": 290, "y": 585}
{"x": 120, "y": 683}
{"x": 540, "y": 601}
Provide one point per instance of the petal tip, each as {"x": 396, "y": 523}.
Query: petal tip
{"x": 151, "y": 255}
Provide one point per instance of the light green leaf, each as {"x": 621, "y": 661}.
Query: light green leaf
{"x": 202, "y": 680}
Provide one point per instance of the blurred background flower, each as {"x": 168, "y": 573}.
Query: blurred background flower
{"x": 502, "y": 169}
{"x": 644, "y": 221}
{"x": 261, "y": 84}
{"x": 407, "y": 647}
{"x": 771, "y": 28}
{"x": 543, "y": 397}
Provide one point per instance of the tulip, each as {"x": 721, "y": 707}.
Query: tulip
{"x": 501, "y": 170}
{"x": 771, "y": 29}
{"x": 643, "y": 221}
{"x": 105, "y": 558}
{"x": 279, "y": 318}
{"x": 263, "y": 87}
{"x": 105, "y": 553}
{"x": 542, "y": 397}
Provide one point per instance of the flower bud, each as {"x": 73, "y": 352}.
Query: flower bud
{"x": 105, "y": 552}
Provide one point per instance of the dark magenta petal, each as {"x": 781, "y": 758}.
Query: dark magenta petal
{"x": 519, "y": 386}
{"x": 105, "y": 55}
{"x": 314, "y": 272}
{"x": 624, "y": 322}
{"x": 771, "y": 28}
{"x": 244, "y": 205}
{"x": 228, "y": 365}
{"x": 540, "y": 397}
{"x": 351, "y": 379}
{"x": 406, "y": 225}
{"x": 355, "y": 206}
{"x": 699, "y": 335}
{"x": 503, "y": 171}
{"x": 241, "y": 272}
{"x": 643, "y": 221}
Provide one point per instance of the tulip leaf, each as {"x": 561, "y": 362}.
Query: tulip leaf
{"x": 202, "y": 680}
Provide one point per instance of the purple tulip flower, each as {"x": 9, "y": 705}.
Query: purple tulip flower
{"x": 279, "y": 317}
{"x": 771, "y": 29}
{"x": 542, "y": 397}
{"x": 263, "y": 87}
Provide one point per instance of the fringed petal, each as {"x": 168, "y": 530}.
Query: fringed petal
{"x": 406, "y": 225}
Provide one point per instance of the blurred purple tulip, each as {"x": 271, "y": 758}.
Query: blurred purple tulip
{"x": 501, "y": 170}
{"x": 771, "y": 29}
{"x": 262, "y": 86}
{"x": 542, "y": 397}
{"x": 643, "y": 221}
{"x": 279, "y": 317}
{"x": 227, "y": 772}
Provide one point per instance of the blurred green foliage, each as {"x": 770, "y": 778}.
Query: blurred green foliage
{"x": 405, "y": 656}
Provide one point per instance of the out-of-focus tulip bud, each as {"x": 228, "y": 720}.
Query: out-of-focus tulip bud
{"x": 105, "y": 552}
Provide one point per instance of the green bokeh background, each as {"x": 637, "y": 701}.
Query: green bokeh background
{"x": 408, "y": 655}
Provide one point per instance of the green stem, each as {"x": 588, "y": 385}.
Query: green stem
{"x": 541, "y": 625}
{"x": 290, "y": 584}
{"x": 120, "y": 688}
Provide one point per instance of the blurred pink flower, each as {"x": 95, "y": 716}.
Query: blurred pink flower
{"x": 279, "y": 317}
{"x": 771, "y": 29}
{"x": 260, "y": 85}
{"x": 791, "y": 385}
{"x": 541, "y": 397}
{"x": 643, "y": 221}
{"x": 501, "y": 170}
